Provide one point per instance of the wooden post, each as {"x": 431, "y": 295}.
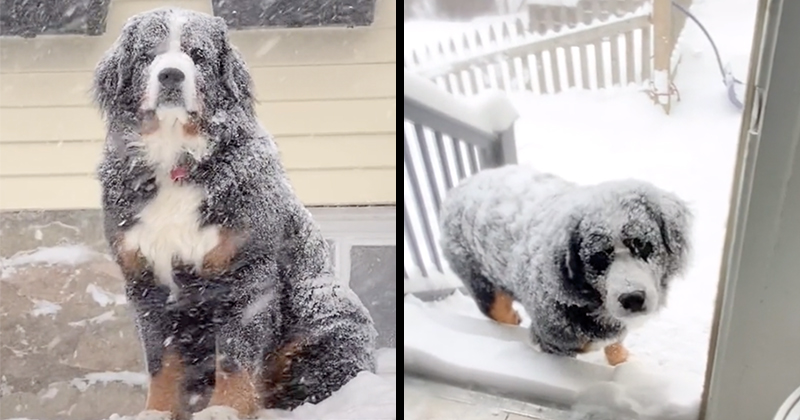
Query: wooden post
{"x": 662, "y": 52}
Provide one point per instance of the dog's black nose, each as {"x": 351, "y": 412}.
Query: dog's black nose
{"x": 633, "y": 301}
{"x": 171, "y": 77}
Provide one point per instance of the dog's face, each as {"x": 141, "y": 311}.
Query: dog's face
{"x": 172, "y": 60}
{"x": 626, "y": 247}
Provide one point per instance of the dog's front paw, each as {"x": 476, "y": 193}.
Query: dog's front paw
{"x": 217, "y": 412}
{"x": 616, "y": 354}
{"x": 154, "y": 415}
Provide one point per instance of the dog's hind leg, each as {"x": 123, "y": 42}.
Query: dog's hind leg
{"x": 501, "y": 309}
{"x": 493, "y": 301}
{"x": 239, "y": 348}
{"x": 305, "y": 371}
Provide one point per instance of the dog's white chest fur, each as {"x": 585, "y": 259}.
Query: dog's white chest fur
{"x": 168, "y": 229}
{"x": 163, "y": 147}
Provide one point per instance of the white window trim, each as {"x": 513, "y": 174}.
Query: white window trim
{"x": 359, "y": 226}
{"x": 753, "y": 366}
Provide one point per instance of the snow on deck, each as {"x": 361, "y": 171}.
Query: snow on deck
{"x": 451, "y": 340}
{"x": 589, "y": 137}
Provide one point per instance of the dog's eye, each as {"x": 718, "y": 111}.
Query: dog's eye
{"x": 640, "y": 248}
{"x": 601, "y": 260}
{"x": 197, "y": 55}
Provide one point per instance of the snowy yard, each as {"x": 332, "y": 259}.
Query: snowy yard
{"x": 594, "y": 136}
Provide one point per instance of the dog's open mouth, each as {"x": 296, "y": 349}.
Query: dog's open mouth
{"x": 150, "y": 120}
{"x": 170, "y": 97}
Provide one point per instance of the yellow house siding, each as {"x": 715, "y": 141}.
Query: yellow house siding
{"x": 328, "y": 95}
{"x": 287, "y": 118}
{"x": 273, "y": 84}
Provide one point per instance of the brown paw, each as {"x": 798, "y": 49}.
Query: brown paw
{"x": 236, "y": 390}
{"x": 163, "y": 393}
{"x": 502, "y": 310}
{"x": 616, "y": 353}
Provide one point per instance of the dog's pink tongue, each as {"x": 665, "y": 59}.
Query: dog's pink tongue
{"x": 178, "y": 173}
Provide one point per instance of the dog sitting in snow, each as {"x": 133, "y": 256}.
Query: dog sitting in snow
{"x": 229, "y": 277}
{"x": 586, "y": 262}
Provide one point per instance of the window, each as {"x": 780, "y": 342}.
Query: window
{"x": 53, "y": 17}
{"x": 364, "y": 249}
{"x": 88, "y": 17}
{"x": 241, "y": 14}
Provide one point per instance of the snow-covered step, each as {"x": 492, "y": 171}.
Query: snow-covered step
{"x": 483, "y": 354}
{"x": 425, "y": 399}
{"x": 452, "y": 343}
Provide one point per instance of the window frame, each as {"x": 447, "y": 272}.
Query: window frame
{"x": 752, "y": 364}
{"x": 355, "y": 226}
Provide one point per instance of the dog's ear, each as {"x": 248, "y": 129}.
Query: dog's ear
{"x": 112, "y": 75}
{"x": 573, "y": 271}
{"x": 674, "y": 219}
{"x": 233, "y": 70}
{"x": 572, "y": 267}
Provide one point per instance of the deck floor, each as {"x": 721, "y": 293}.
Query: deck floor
{"x": 427, "y": 400}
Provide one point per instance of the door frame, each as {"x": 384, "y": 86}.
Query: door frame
{"x": 755, "y": 342}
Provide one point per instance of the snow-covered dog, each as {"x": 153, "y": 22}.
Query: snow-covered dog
{"x": 229, "y": 277}
{"x": 586, "y": 262}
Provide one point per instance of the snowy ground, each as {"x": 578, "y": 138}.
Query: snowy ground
{"x": 70, "y": 349}
{"x": 589, "y": 137}
{"x": 366, "y": 397}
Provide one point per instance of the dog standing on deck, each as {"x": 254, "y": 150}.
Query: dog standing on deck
{"x": 586, "y": 262}
{"x": 229, "y": 277}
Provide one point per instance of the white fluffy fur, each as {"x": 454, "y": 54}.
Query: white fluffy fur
{"x": 163, "y": 147}
{"x": 628, "y": 274}
{"x": 173, "y": 57}
{"x": 170, "y": 224}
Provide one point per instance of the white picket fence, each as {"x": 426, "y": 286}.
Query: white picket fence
{"x": 617, "y": 51}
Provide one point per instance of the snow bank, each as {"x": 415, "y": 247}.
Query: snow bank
{"x": 490, "y": 112}
{"x": 366, "y": 397}
{"x": 387, "y": 361}
{"x": 639, "y": 391}
{"x": 450, "y": 340}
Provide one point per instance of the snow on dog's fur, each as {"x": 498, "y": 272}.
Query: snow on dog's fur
{"x": 229, "y": 277}
{"x": 586, "y": 262}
